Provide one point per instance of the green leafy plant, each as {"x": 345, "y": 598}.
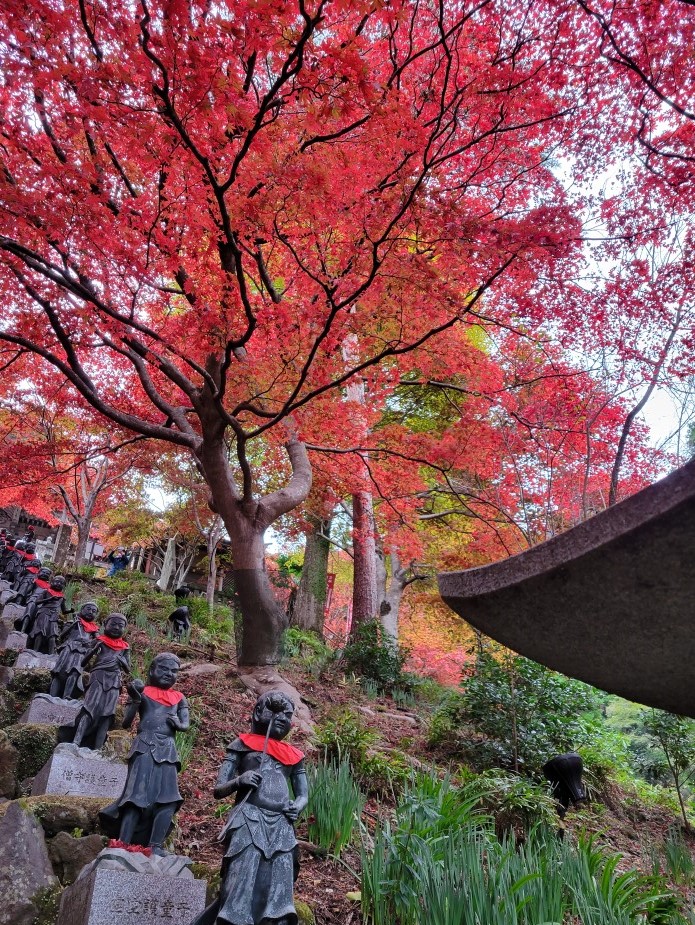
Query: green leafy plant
{"x": 335, "y": 805}
{"x": 343, "y": 735}
{"x": 674, "y": 736}
{"x": 371, "y": 654}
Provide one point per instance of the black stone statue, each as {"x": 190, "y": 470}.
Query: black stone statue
{"x": 181, "y": 593}
{"x": 564, "y": 773}
{"x": 260, "y": 860}
{"x": 144, "y": 812}
{"x": 42, "y": 616}
{"x": 7, "y": 552}
{"x": 109, "y": 656}
{"x": 180, "y": 621}
{"x": 75, "y": 640}
{"x": 41, "y": 582}
{"x": 14, "y": 562}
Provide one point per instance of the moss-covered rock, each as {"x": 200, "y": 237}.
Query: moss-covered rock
{"x": 70, "y": 853}
{"x": 35, "y": 744}
{"x": 29, "y": 681}
{"x": 58, "y": 813}
{"x": 211, "y": 875}
{"x": 9, "y": 712}
{"x": 9, "y": 759}
{"x": 47, "y": 904}
{"x": 8, "y": 657}
{"x": 305, "y": 914}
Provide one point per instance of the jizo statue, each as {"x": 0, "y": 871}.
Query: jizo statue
{"x": 74, "y": 642}
{"x": 260, "y": 859}
{"x": 42, "y": 615}
{"x": 144, "y": 812}
{"x": 106, "y": 659}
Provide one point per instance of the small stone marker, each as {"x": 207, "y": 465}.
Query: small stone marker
{"x": 103, "y": 894}
{"x": 31, "y": 659}
{"x": 51, "y": 711}
{"x": 75, "y": 771}
{"x": 12, "y": 611}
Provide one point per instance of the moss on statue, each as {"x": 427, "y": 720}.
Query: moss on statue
{"x": 35, "y": 744}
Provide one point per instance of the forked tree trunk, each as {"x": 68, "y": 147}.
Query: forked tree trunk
{"x": 310, "y": 603}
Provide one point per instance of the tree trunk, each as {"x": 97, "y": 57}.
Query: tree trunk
{"x": 212, "y": 577}
{"x": 390, "y": 605}
{"x": 84, "y": 525}
{"x": 364, "y": 588}
{"x": 259, "y": 631}
{"x": 310, "y": 603}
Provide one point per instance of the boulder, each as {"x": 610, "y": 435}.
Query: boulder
{"x": 35, "y": 744}
{"x": 58, "y": 813}
{"x": 70, "y": 854}
{"x": 9, "y": 759}
{"x": 26, "y": 875}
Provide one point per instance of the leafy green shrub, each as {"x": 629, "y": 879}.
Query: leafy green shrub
{"x": 335, "y": 805}
{"x": 384, "y": 775}
{"x": 372, "y": 654}
{"x": 218, "y": 624}
{"x": 517, "y": 803}
{"x": 526, "y": 712}
{"x": 448, "y": 720}
{"x": 308, "y": 648}
{"x": 344, "y": 736}
{"x": 85, "y": 572}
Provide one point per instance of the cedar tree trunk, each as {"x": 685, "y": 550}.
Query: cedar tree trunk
{"x": 310, "y": 603}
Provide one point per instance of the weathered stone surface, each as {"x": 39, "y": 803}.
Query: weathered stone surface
{"x": 34, "y": 745}
{"x": 104, "y": 897}
{"x": 12, "y": 611}
{"x": 9, "y": 759}
{"x": 6, "y": 594}
{"x": 6, "y": 675}
{"x": 64, "y": 814}
{"x": 30, "y": 659}
{"x": 25, "y": 868}
{"x": 609, "y": 601}
{"x": 70, "y": 855}
{"x": 51, "y": 711}
{"x": 4, "y": 585}
{"x": 199, "y": 669}
{"x": 78, "y": 771}
{"x": 135, "y": 862}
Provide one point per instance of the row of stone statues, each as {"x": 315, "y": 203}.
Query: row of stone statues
{"x": 260, "y": 859}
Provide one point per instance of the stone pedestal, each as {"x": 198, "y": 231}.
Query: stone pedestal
{"x": 31, "y": 659}
{"x": 6, "y": 594}
{"x": 12, "y": 611}
{"x": 51, "y": 711}
{"x": 105, "y": 895}
{"x": 4, "y": 585}
{"x": 75, "y": 771}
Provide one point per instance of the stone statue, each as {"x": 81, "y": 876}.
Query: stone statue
{"x": 108, "y": 657}
{"x": 144, "y": 812}
{"x": 24, "y": 582}
{"x": 41, "y": 582}
{"x": 180, "y": 622}
{"x": 7, "y": 552}
{"x": 181, "y": 593}
{"x": 42, "y": 616}
{"x": 260, "y": 860}
{"x": 564, "y": 773}
{"x": 15, "y": 561}
{"x": 75, "y": 640}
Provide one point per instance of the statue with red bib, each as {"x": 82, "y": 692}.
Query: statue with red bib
{"x": 108, "y": 657}
{"x": 144, "y": 812}
{"x": 74, "y": 641}
{"x": 260, "y": 860}
{"x": 42, "y": 616}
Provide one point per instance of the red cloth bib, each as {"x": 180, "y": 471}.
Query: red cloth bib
{"x": 282, "y": 751}
{"x": 89, "y": 627}
{"x": 113, "y": 643}
{"x": 41, "y": 583}
{"x": 54, "y": 593}
{"x": 167, "y": 697}
{"x": 34, "y": 569}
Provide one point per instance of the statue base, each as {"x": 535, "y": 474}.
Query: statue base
{"x": 124, "y": 886}
{"x": 51, "y": 711}
{"x": 75, "y": 771}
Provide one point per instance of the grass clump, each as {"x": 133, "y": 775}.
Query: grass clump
{"x": 335, "y": 805}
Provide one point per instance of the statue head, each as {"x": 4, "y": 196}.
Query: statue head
{"x": 114, "y": 625}
{"x": 20, "y": 546}
{"x": 31, "y": 547}
{"x": 57, "y": 583}
{"x": 564, "y": 773}
{"x": 182, "y": 592}
{"x": 10, "y": 540}
{"x": 89, "y": 611}
{"x": 276, "y": 707}
{"x": 163, "y": 670}
{"x": 44, "y": 573}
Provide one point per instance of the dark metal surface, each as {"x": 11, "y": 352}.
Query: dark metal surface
{"x": 611, "y": 601}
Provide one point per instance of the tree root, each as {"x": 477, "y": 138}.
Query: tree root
{"x": 267, "y": 678}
